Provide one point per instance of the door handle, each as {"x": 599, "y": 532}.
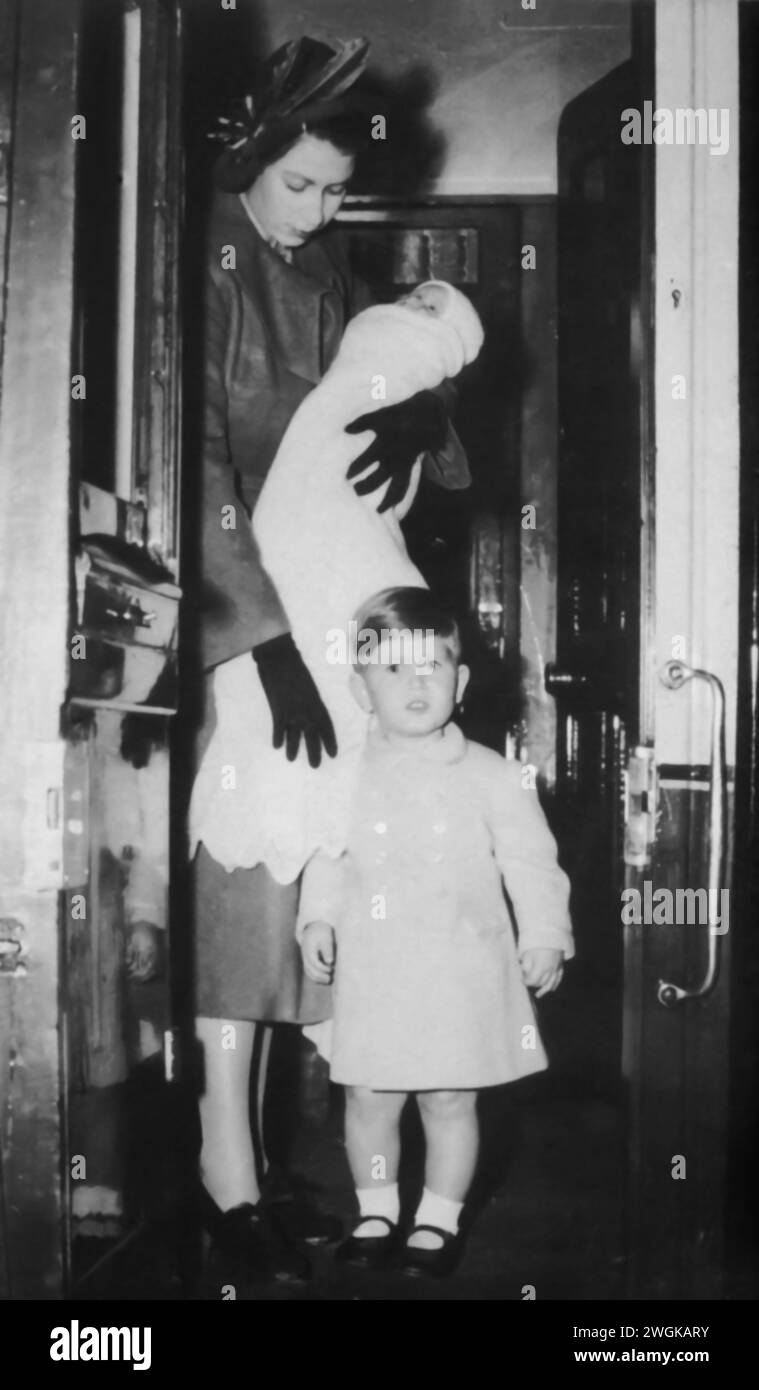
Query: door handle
{"x": 587, "y": 690}
{"x": 558, "y": 681}
{"x": 675, "y": 675}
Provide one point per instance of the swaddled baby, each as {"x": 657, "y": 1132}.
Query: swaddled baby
{"x": 327, "y": 548}
{"x": 458, "y": 334}
{"x": 307, "y": 522}
{"x": 462, "y": 328}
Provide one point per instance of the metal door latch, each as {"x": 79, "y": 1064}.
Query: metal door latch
{"x": 640, "y": 807}
{"x": 11, "y": 947}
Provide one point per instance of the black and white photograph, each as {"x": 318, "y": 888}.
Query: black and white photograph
{"x": 379, "y": 638}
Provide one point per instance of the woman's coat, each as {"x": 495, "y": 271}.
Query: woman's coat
{"x": 270, "y": 332}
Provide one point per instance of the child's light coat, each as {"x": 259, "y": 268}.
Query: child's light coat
{"x": 428, "y": 991}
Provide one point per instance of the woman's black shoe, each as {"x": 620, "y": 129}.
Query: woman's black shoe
{"x": 437, "y": 1263}
{"x": 369, "y": 1252}
{"x": 286, "y": 1200}
{"x": 246, "y": 1235}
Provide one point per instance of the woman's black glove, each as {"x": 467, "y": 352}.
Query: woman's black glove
{"x": 403, "y": 432}
{"x": 296, "y": 705}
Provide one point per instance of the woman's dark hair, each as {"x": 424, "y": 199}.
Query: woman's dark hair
{"x": 348, "y": 131}
{"x": 409, "y": 609}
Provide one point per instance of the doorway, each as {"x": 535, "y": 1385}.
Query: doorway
{"x": 564, "y": 1132}
{"x": 611, "y": 1170}
{"x": 633, "y": 1082}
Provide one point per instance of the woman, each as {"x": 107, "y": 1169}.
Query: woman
{"x": 279, "y": 293}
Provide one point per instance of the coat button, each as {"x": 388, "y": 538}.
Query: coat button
{"x": 439, "y": 829}
{"x": 381, "y": 827}
{"x": 380, "y": 857}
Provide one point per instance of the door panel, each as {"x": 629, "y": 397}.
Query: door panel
{"x": 37, "y": 81}
{"x": 678, "y": 1056}
{"x": 621, "y": 616}
{"x": 743, "y": 1196}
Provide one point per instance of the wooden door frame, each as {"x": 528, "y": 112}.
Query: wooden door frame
{"x": 34, "y": 625}
{"x": 677, "y": 1057}
{"x": 38, "y": 104}
{"x": 698, "y": 438}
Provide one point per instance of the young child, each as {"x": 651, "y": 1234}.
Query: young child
{"x": 411, "y": 923}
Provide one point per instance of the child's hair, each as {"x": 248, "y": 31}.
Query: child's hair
{"x": 408, "y": 609}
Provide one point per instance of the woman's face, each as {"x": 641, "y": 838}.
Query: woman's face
{"x": 297, "y": 195}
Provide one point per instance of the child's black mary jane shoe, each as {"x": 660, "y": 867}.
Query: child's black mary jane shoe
{"x": 438, "y": 1263}
{"x": 369, "y": 1252}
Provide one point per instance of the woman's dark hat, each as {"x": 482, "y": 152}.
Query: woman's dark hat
{"x": 303, "y": 81}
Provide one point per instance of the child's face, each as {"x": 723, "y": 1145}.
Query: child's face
{"x": 428, "y": 299}
{"x": 412, "y": 699}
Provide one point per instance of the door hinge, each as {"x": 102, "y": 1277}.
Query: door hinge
{"x": 640, "y": 807}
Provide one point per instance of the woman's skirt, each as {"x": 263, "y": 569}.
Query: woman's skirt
{"x": 247, "y": 963}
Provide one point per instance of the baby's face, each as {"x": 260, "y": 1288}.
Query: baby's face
{"x": 428, "y": 299}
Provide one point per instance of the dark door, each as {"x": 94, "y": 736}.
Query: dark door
{"x": 595, "y": 678}
{"x": 605, "y": 537}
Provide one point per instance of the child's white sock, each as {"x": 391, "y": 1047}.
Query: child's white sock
{"x": 434, "y": 1211}
{"x": 377, "y": 1201}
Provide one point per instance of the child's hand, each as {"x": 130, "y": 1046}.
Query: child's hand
{"x": 144, "y": 951}
{"x": 542, "y": 970}
{"x": 318, "y": 949}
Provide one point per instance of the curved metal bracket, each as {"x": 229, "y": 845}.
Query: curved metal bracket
{"x": 675, "y": 675}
